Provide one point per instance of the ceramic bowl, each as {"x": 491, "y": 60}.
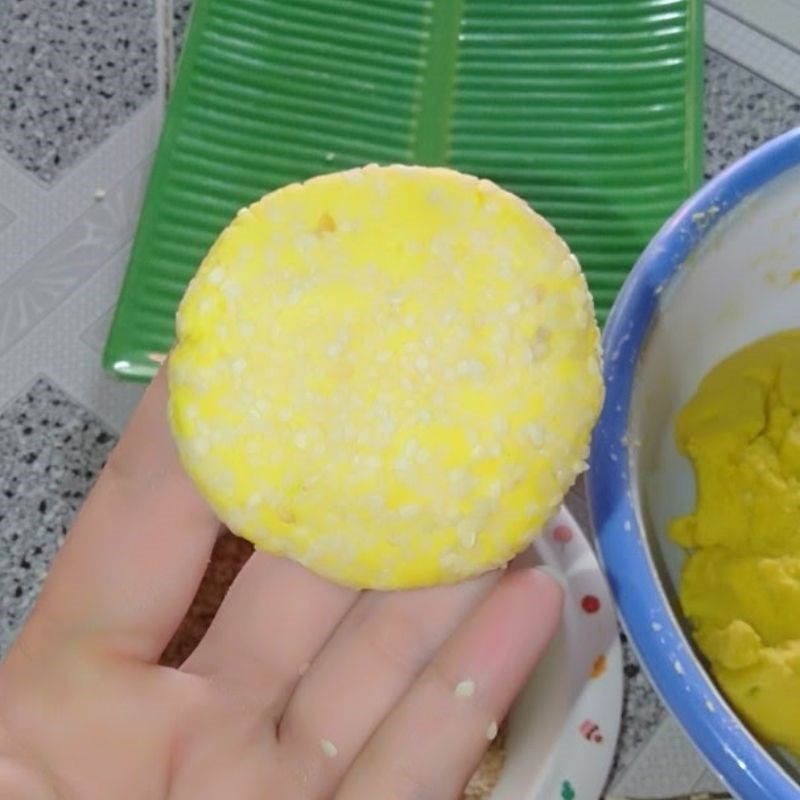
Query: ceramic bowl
{"x": 722, "y": 272}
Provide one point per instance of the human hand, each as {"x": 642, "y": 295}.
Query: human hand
{"x": 300, "y": 689}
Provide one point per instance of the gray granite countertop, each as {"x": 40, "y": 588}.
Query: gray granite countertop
{"x": 81, "y": 94}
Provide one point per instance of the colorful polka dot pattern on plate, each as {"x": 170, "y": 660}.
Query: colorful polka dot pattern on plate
{"x": 591, "y": 731}
{"x": 590, "y": 604}
{"x": 581, "y": 754}
{"x": 599, "y": 666}
{"x": 562, "y": 534}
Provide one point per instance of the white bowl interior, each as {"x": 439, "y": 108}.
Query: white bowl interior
{"x": 740, "y": 284}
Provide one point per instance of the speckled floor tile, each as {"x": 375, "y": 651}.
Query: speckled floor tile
{"x": 71, "y": 71}
{"x": 642, "y": 710}
{"x": 742, "y": 110}
{"x": 181, "y": 10}
{"x": 51, "y": 450}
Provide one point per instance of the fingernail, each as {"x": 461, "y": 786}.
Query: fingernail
{"x": 555, "y": 574}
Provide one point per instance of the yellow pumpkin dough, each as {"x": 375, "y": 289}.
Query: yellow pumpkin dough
{"x": 741, "y": 584}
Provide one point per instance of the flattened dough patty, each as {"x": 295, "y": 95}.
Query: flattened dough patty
{"x": 388, "y": 374}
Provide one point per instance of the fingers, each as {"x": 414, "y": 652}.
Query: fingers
{"x": 136, "y": 553}
{"x": 271, "y": 625}
{"x": 367, "y": 666}
{"x": 428, "y": 748}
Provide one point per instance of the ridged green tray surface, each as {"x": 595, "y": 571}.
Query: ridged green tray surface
{"x": 590, "y": 110}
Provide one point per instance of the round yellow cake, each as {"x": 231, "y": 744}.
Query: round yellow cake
{"x": 388, "y": 374}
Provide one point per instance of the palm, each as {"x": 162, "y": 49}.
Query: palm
{"x": 299, "y": 690}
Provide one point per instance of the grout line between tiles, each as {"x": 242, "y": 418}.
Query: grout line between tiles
{"x": 166, "y": 47}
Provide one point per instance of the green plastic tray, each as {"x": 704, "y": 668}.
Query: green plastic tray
{"x": 590, "y": 110}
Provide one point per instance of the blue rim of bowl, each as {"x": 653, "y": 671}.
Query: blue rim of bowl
{"x": 667, "y": 656}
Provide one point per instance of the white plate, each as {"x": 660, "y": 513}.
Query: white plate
{"x": 563, "y": 728}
